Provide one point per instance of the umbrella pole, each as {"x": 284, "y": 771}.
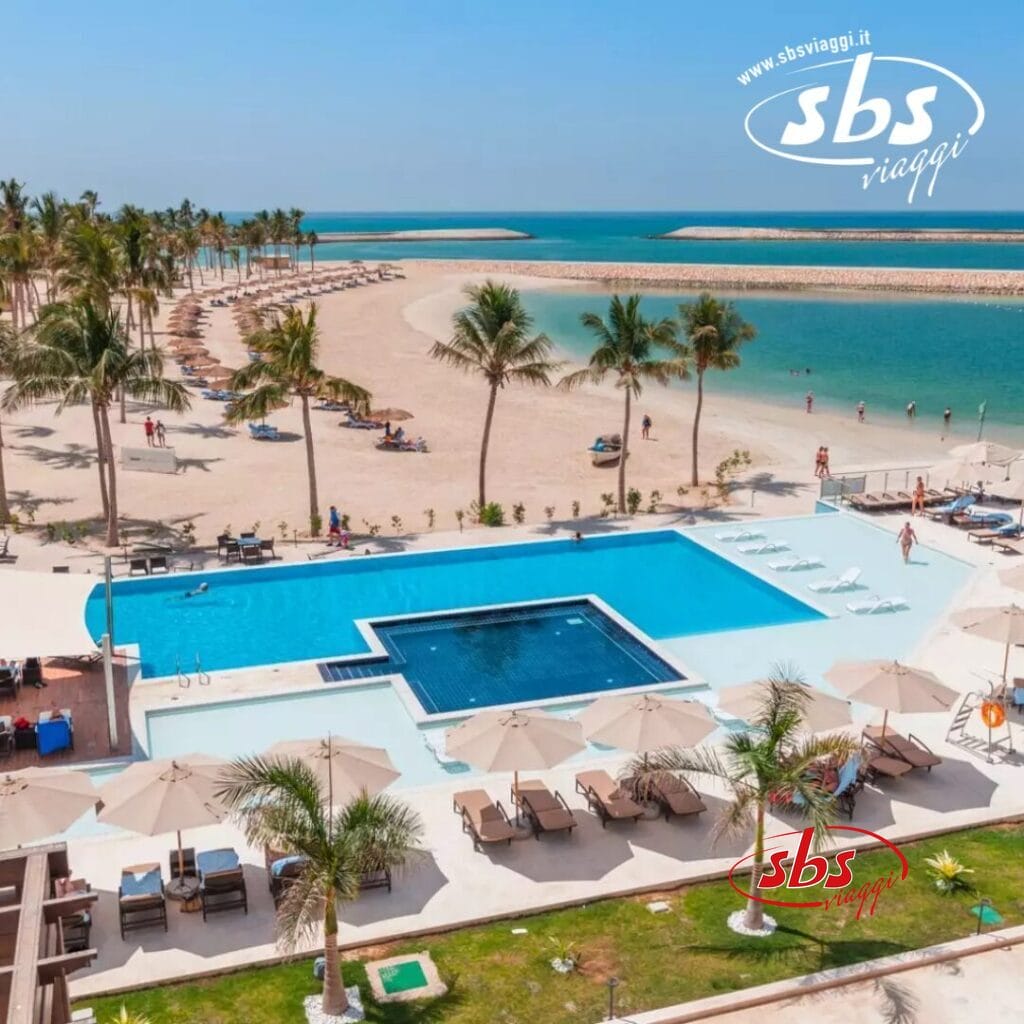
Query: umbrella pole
{"x": 885, "y": 722}
{"x": 1006, "y": 661}
{"x": 181, "y": 857}
{"x": 515, "y": 793}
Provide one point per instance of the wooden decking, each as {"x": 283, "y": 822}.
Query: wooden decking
{"x": 80, "y": 687}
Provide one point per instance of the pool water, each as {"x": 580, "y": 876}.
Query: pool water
{"x": 476, "y": 660}
{"x": 661, "y": 581}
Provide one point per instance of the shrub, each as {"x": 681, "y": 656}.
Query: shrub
{"x": 373, "y": 529}
{"x": 633, "y": 499}
{"x": 429, "y": 513}
{"x": 519, "y": 513}
{"x": 396, "y": 523}
{"x": 316, "y": 523}
{"x": 14, "y": 522}
{"x": 283, "y": 529}
{"x": 727, "y": 469}
{"x": 948, "y": 873}
{"x": 188, "y": 532}
{"x": 607, "y": 503}
{"x": 459, "y": 516}
{"x": 346, "y": 521}
{"x": 575, "y": 510}
{"x": 549, "y": 511}
{"x": 492, "y": 514}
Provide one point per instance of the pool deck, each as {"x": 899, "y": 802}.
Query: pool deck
{"x": 452, "y": 885}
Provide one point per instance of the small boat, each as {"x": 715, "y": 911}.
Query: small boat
{"x": 606, "y": 450}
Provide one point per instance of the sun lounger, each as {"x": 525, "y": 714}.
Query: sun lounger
{"x": 357, "y": 423}
{"x": 906, "y": 748}
{"x": 740, "y": 535}
{"x": 796, "y": 564}
{"x": 483, "y": 819}
{"x": 1013, "y": 547}
{"x": 763, "y": 547}
{"x": 672, "y": 794}
{"x": 158, "y": 563}
{"x": 851, "y": 778}
{"x": 874, "y": 605}
{"x": 263, "y": 432}
{"x": 546, "y": 812}
{"x": 845, "y": 581}
{"x": 882, "y": 764}
{"x": 606, "y": 798}
{"x": 138, "y": 567}
{"x": 221, "y": 881}
{"x": 960, "y": 504}
{"x": 140, "y": 898}
{"x": 282, "y": 870}
{"x": 981, "y": 517}
{"x": 867, "y": 502}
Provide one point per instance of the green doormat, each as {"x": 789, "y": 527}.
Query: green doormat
{"x": 402, "y": 977}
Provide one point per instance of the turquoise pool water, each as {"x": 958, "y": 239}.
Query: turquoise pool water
{"x": 661, "y": 581}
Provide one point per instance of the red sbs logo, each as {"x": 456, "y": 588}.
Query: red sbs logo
{"x": 810, "y": 875}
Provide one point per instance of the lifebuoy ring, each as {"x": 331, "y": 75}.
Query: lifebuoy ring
{"x": 993, "y": 714}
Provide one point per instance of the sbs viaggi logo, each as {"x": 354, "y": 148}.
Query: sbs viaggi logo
{"x": 898, "y": 119}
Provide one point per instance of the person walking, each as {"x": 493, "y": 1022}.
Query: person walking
{"x": 150, "y": 429}
{"x": 917, "y": 498}
{"x": 906, "y": 540}
{"x": 911, "y": 410}
{"x": 860, "y": 412}
{"x": 809, "y": 400}
{"x": 825, "y": 471}
{"x": 161, "y": 434}
{"x": 819, "y": 461}
{"x": 645, "y": 427}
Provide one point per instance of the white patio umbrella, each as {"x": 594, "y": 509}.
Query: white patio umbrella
{"x": 1005, "y": 624}
{"x": 891, "y": 686}
{"x": 347, "y": 768}
{"x": 822, "y": 711}
{"x": 960, "y": 471}
{"x": 40, "y": 802}
{"x": 167, "y": 795}
{"x": 515, "y": 741}
{"x": 986, "y": 451}
{"x": 646, "y": 722}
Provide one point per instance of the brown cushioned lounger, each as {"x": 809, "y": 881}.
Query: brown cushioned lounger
{"x": 545, "y": 811}
{"x": 1016, "y": 546}
{"x": 482, "y": 818}
{"x": 675, "y": 795}
{"x": 915, "y": 753}
{"x": 607, "y": 798}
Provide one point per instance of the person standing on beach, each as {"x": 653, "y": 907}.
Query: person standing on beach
{"x": 161, "y": 434}
{"x": 809, "y": 399}
{"x": 149, "y": 429}
{"x": 645, "y": 427}
{"x": 825, "y": 471}
{"x": 917, "y": 498}
{"x": 947, "y": 418}
{"x": 333, "y": 527}
{"x": 819, "y": 458}
{"x": 906, "y": 540}
{"x": 911, "y": 410}
{"x": 860, "y": 412}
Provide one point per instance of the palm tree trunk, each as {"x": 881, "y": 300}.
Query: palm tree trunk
{"x": 314, "y": 500}
{"x": 694, "y": 477}
{"x": 101, "y": 460}
{"x": 624, "y": 454}
{"x": 754, "y": 917}
{"x": 111, "y": 480}
{"x": 5, "y": 508}
{"x": 335, "y": 1001}
{"x": 482, "y": 488}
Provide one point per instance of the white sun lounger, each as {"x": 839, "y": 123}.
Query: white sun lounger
{"x": 763, "y": 547}
{"x": 796, "y": 564}
{"x": 872, "y": 605}
{"x": 738, "y": 535}
{"x": 846, "y": 581}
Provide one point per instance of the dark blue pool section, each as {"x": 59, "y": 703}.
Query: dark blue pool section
{"x": 503, "y": 656}
{"x": 661, "y": 581}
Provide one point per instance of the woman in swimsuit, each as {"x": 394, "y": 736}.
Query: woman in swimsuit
{"x": 906, "y": 540}
{"x": 917, "y": 499}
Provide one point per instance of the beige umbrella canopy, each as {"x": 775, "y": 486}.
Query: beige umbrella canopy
{"x": 396, "y": 415}
{"x": 822, "y": 711}
{"x": 1003, "y": 624}
{"x": 1013, "y": 577}
{"x": 40, "y": 802}
{"x": 347, "y": 768}
{"x": 891, "y": 686}
{"x": 986, "y": 451}
{"x": 152, "y": 797}
{"x": 958, "y": 471}
{"x": 646, "y": 722}
{"x": 515, "y": 741}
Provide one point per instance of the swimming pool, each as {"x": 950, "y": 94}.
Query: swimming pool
{"x": 474, "y": 660}
{"x": 661, "y": 581}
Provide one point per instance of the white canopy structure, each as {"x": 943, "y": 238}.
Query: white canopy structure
{"x": 44, "y": 614}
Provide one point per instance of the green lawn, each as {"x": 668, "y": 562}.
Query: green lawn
{"x": 495, "y": 976}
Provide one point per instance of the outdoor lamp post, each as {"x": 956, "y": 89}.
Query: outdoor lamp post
{"x": 613, "y": 984}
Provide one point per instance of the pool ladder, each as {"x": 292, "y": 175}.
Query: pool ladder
{"x": 184, "y": 680}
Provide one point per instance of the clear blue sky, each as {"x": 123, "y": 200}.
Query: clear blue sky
{"x": 464, "y": 104}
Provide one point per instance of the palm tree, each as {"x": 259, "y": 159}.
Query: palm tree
{"x": 78, "y": 353}
{"x": 635, "y": 350}
{"x": 775, "y": 758}
{"x": 283, "y": 805}
{"x": 491, "y": 337}
{"x": 291, "y": 348}
{"x": 312, "y": 240}
{"x": 7, "y": 339}
{"x": 715, "y": 331}
{"x": 50, "y": 215}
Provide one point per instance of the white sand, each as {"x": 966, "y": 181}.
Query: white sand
{"x": 379, "y": 335}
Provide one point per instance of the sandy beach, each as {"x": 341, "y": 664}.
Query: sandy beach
{"x": 379, "y": 335}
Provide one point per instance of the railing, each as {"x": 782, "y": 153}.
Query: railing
{"x": 183, "y": 680}
{"x": 861, "y": 481}
{"x": 202, "y": 678}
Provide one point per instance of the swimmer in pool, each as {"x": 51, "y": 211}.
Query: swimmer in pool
{"x": 201, "y": 589}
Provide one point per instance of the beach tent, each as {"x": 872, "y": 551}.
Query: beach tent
{"x": 44, "y": 614}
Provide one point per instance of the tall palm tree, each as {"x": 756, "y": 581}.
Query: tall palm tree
{"x": 312, "y": 240}
{"x": 290, "y": 348}
{"x": 78, "y": 353}
{"x": 775, "y": 758}
{"x": 283, "y": 805}
{"x": 7, "y": 341}
{"x": 714, "y": 331}
{"x": 635, "y": 350}
{"x": 492, "y": 337}
{"x": 49, "y": 213}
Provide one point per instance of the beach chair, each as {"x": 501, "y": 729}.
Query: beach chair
{"x": 974, "y": 518}
{"x": 866, "y": 502}
{"x": 545, "y": 812}
{"x": 282, "y": 870}
{"x": 232, "y": 551}
{"x": 905, "y": 748}
{"x": 138, "y": 567}
{"x": 267, "y": 547}
{"x": 140, "y": 898}
{"x": 1009, "y": 545}
{"x": 251, "y": 553}
{"x": 874, "y": 605}
{"x": 878, "y": 764}
{"x": 845, "y": 581}
{"x": 221, "y": 882}
{"x": 158, "y": 564}
{"x": 739, "y": 535}
{"x": 797, "y": 564}
{"x": 851, "y": 778}
{"x": 960, "y": 504}
{"x": 763, "y": 547}
{"x": 8, "y": 682}
{"x": 483, "y": 819}
{"x": 606, "y": 798}
{"x": 987, "y": 535}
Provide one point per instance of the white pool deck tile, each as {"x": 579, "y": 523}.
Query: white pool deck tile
{"x": 454, "y": 885}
